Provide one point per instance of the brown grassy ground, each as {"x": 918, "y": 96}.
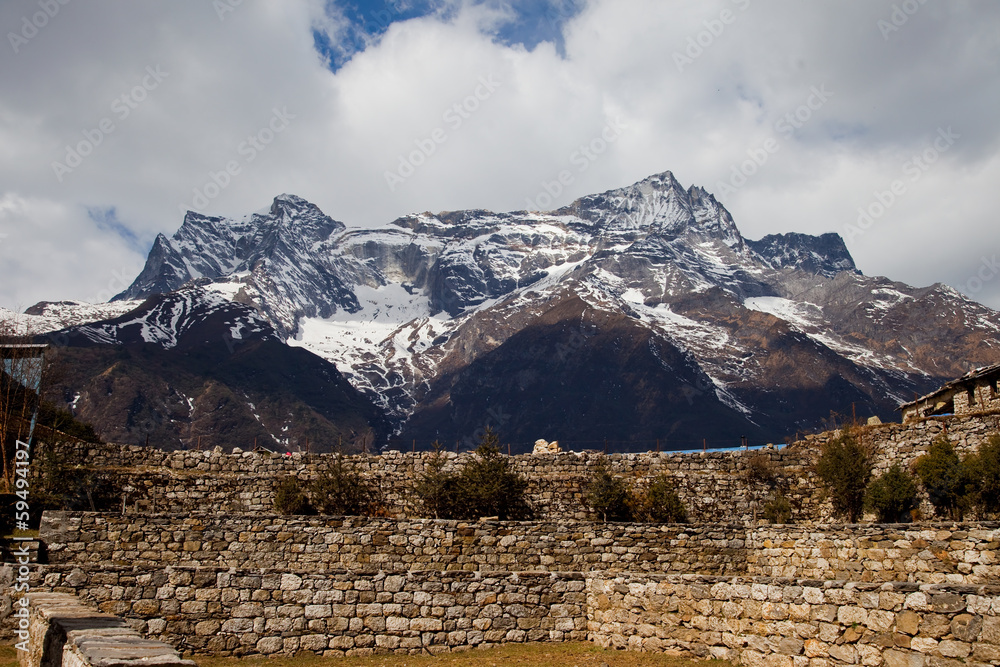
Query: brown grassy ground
{"x": 568, "y": 654}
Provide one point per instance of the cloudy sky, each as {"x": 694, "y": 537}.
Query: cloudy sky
{"x": 876, "y": 119}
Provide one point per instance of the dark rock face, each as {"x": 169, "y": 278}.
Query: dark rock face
{"x": 638, "y": 314}
{"x": 188, "y": 369}
{"x": 265, "y": 250}
{"x": 825, "y": 255}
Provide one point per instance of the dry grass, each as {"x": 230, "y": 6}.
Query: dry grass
{"x": 567, "y": 654}
{"x": 8, "y": 655}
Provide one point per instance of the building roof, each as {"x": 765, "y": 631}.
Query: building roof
{"x": 975, "y": 374}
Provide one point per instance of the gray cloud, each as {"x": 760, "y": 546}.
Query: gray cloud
{"x": 199, "y": 126}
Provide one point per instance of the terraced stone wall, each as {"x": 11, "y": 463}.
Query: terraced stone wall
{"x": 223, "y": 611}
{"x": 714, "y": 486}
{"x": 318, "y": 544}
{"x": 938, "y": 553}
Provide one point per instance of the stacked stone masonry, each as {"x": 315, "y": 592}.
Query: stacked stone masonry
{"x": 713, "y": 485}
{"x": 243, "y": 581}
{"x": 331, "y": 543}
{"x": 958, "y": 553}
{"x": 709, "y": 484}
{"x": 243, "y": 612}
{"x": 751, "y": 621}
{"x": 798, "y": 623}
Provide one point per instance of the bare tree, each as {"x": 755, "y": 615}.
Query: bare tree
{"x": 21, "y": 365}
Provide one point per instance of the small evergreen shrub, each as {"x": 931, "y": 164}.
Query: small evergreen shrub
{"x": 845, "y": 468}
{"x": 986, "y": 475}
{"x": 437, "y": 490}
{"x": 661, "y": 503}
{"x": 63, "y": 481}
{"x": 486, "y": 486}
{"x": 341, "y": 489}
{"x": 948, "y": 481}
{"x": 290, "y": 497}
{"x": 892, "y": 496}
{"x": 608, "y": 495}
{"x": 778, "y": 509}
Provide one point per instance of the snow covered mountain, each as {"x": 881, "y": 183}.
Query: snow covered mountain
{"x": 637, "y": 315}
{"x": 192, "y": 368}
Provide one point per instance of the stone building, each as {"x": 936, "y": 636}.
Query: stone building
{"x": 975, "y": 391}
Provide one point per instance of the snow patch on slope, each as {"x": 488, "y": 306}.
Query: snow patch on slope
{"x": 53, "y": 316}
{"x": 808, "y": 319}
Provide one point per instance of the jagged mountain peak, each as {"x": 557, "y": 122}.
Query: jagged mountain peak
{"x": 826, "y": 254}
{"x": 288, "y": 207}
{"x": 213, "y": 247}
{"x": 658, "y": 205}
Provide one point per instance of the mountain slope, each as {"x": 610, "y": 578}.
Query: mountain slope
{"x": 680, "y": 329}
{"x": 189, "y": 368}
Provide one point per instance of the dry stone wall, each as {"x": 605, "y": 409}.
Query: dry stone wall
{"x": 243, "y": 612}
{"x": 756, "y": 621}
{"x": 956, "y": 553}
{"x": 798, "y": 623}
{"x": 215, "y": 572}
{"x": 317, "y": 544}
{"x": 903, "y": 443}
{"x": 713, "y": 486}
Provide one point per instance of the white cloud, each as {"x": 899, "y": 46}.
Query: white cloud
{"x": 226, "y": 77}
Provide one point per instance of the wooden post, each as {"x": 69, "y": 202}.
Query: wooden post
{"x": 605, "y": 446}
{"x": 657, "y": 445}
{"x": 704, "y": 445}
{"x": 414, "y": 450}
{"x": 456, "y": 446}
{"x": 508, "y": 449}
